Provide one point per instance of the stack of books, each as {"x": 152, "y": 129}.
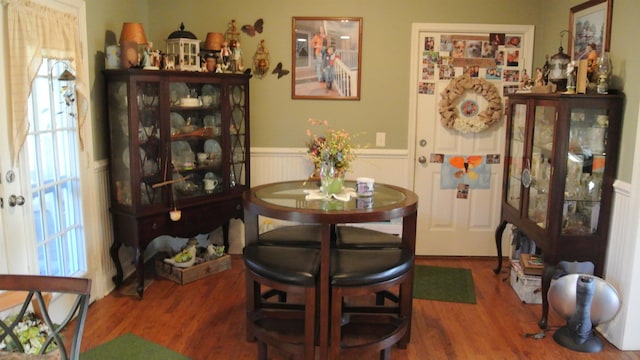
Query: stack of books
{"x": 531, "y": 264}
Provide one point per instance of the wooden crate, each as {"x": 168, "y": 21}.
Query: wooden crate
{"x": 186, "y": 275}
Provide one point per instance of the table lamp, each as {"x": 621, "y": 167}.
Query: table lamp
{"x": 131, "y": 36}
{"x": 584, "y": 301}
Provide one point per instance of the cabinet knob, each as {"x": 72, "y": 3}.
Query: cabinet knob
{"x": 154, "y": 226}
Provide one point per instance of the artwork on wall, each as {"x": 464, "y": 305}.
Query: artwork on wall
{"x": 326, "y": 55}
{"x": 589, "y": 28}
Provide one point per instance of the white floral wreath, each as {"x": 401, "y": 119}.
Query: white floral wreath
{"x": 475, "y": 120}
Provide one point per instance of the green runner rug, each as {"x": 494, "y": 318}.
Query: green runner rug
{"x": 130, "y": 347}
{"x": 444, "y": 284}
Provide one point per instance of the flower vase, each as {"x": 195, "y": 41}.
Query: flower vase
{"x": 331, "y": 180}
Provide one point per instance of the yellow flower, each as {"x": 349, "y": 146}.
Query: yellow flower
{"x": 334, "y": 147}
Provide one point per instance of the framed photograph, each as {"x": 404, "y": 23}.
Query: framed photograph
{"x": 326, "y": 53}
{"x": 589, "y": 28}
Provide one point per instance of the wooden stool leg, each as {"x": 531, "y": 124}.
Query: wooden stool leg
{"x": 262, "y": 351}
{"x": 309, "y": 323}
{"x": 253, "y": 294}
{"x": 336, "y": 323}
{"x": 385, "y": 354}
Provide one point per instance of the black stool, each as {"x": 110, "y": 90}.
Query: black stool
{"x": 292, "y": 270}
{"x": 306, "y": 235}
{"x": 352, "y": 237}
{"x": 359, "y": 272}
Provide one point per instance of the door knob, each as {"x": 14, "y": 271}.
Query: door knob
{"x": 16, "y": 200}
{"x": 422, "y": 160}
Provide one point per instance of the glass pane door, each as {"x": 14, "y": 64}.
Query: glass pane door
{"x": 516, "y": 152}
{"x": 196, "y": 140}
{"x": 585, "y": 165}
{"x": 541, "y": 160}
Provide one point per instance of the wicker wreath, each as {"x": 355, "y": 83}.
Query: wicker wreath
{"x": 472, "y": 119}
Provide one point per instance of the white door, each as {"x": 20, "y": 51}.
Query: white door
{"x": 457, "y": 175}
{"x": 43, "y": 216}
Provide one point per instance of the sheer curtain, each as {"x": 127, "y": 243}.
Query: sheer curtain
{"x": 36, "y": 32}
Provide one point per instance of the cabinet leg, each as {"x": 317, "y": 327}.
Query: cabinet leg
{"x": 499, "y": 231}
{"x": 546, "y": 283}
{"x": 140, "y": 271}
{"x": 225, "y": 236}
{"x": 113, "y": 252}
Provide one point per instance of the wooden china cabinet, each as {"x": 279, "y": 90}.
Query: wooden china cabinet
{"x": 561, "y": 160}
{"x": 178, "y": 141}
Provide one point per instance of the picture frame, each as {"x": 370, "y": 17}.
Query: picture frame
{"x": 597, "y": 14}
{"x": 326, "y": 58}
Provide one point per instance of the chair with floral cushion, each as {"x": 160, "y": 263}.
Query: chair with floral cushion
{"x": 56, "y": 341}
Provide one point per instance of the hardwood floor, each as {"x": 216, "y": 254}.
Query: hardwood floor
{"x": 206, "y": 320}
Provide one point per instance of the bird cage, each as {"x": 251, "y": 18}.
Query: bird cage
{"x": 184, "y": 48}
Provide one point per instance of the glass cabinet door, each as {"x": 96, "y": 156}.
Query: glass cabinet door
{"x": 541, "y": 164}
{"x": 135, "y": 144}
{"x": 237, "y": 134}
{"x": 585, "y": 166}
{"x": 516, "y": 146}
{"x": 196, "y": 153}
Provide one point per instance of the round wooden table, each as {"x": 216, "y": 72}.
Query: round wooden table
{"x": 288, "y": 201}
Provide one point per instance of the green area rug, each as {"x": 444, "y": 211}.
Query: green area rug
{"x": 444, "y": 284}
{"x": 130, "y": 347}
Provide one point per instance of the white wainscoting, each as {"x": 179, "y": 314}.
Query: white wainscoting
{"x": 104, "y": 281}
{"x": 281, "y": 164}
{"x": 622, "y": 270}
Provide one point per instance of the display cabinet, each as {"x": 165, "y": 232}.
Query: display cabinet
{"x": 179, "y": 158}
{"x": 560, "y": 164}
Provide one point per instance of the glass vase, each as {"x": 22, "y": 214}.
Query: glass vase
{"x": 331, "y": 180}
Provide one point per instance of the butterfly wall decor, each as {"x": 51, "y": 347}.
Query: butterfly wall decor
{"x": 280, "y": 71}
{"x": 251, "y": 30}
{"x": 465, "y": 165}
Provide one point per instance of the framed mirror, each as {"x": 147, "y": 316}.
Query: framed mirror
{"x": 326, "y": 53}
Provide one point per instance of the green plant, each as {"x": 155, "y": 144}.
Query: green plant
{"x": 31, "y": 332}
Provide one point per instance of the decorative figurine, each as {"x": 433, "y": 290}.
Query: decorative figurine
{"x": 261, "y": 60}
{"x": 225, "y": 55}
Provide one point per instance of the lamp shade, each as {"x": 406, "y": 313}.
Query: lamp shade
{"x": 133, "y": 32}
{"x": 213, "y": 41}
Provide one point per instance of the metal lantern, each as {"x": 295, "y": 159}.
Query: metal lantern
{"x": 558, "y": 71}
{"x": 184, "y": 48}
{"x": 558, "y": 67}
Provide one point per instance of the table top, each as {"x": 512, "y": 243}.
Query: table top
{"x": 287, "y": 200}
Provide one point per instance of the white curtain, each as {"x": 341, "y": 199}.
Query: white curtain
{"x": 36, "y": 32}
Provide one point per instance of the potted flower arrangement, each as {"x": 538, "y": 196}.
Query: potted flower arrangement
{"x": 331, "y": 154}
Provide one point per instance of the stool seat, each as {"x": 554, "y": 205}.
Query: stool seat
{"x": 289, "y": 265}
{"x": 295, "y": 235}
{"x": 358, "y": 237}
{"x": 361, "y": 267}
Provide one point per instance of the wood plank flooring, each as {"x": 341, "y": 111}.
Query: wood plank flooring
{"x": 206, "y": 320}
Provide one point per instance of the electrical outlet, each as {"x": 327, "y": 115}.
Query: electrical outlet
{"x": 380, "y": 139}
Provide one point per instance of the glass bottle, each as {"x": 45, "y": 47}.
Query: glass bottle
{"x": 604, "y": 71}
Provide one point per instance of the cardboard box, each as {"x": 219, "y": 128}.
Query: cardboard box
{"x": 186, "y": 275}
{"x": 528, "y": 287}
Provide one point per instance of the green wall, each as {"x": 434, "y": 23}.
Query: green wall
{"x": 279, "y": 121}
